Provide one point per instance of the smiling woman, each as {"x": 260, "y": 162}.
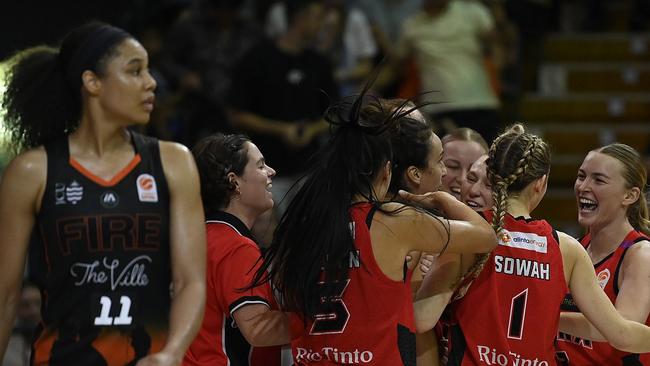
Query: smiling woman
{"x": 107, "y": 204}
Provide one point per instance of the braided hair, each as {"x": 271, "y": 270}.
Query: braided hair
{"x": 516, "y": 158}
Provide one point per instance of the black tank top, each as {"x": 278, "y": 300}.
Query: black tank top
{"x": 100, "y": 254}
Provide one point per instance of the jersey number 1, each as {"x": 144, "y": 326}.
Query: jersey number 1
{"x": 104, "y": 317}
{"x": 517, "y": 315}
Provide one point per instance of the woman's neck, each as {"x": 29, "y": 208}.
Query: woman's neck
{"x": 95, "y": 140}
{"x": 605, "y": 239}
{"x": 518, "y": 207}
{"x": 96, "y": 135}
{"x": 242, "y": 213}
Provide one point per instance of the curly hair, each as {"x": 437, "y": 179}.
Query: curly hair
{"x": 43, "y": 97}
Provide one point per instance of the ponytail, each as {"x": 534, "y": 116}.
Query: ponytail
{"x": 38, "y": 105}
{"x": 641, "y": 218}
{"x": 43, "y": 97}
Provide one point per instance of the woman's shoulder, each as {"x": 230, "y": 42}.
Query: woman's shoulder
{"x": 31, "y": 162}
{"x": 173, "y": 152}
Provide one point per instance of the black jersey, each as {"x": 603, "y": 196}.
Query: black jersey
{"x": 100, "y": 254}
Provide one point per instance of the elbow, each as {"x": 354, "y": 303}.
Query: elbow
{"x": 255, "y": 337}
{"x": 623, "y": 340}
{"x": 623, "y": 343}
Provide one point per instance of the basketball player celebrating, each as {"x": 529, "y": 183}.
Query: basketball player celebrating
{"x": 339, "y": 246}
{"x": 235, "y": 182}
{"x": 611, "y": 192}
{"x": 524, "y": 280}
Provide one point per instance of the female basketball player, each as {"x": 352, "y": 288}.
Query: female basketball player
{"x": 611, "y": 194}
{"x": 521, "y": 287}
{"x": 417, "y": 153}
{"x": 476, "y": 191}
{"x": 235, "y": 181}
{"x": 116, "y": 217}
{"x": 463, "y": 146}
{"x": 339, "y": 247}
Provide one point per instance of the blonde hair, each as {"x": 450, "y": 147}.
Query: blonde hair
{"x": 635, "y": 175}
{"x": 465, "y": 134}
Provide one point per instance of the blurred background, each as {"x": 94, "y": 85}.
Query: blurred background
{"x": 576, "y": 72}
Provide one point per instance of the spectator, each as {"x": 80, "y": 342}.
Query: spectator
{"x": 199, "y": 57}
{"x": 346, "y": 37}
{"x": 279, "y": 92}
{"x": 448, "y": 40}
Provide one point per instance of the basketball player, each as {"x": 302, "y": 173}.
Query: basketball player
{"x": 115, "y": 217}
{"x": 339, "y": 247}
{"x": 611, "y": 194}
{"x": 235, "y": 181}
{"x": 521, "y": 286}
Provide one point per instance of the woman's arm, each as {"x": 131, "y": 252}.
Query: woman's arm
{"x": 426, "y": 347}
{"x": 465, "y": 231}
{"x": 436, "y": 291}
{"x": 21, "y": 189}
{"x": 263, "y": 327}
{"x": 187, "y": 233}
{"x": 632, "y": 301}
{"x": 623, "y": 334}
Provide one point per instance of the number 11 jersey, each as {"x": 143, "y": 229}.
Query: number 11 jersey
{"x": 100, "y": 255}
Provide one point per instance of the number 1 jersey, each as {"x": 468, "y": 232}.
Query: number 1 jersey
{"x": 511, "y": 312}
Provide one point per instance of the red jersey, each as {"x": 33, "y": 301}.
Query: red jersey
{"x": 232, "y": 256}
{"x": 577, "y": 351}
{"x": 372, "y": 321}
{"x": 511, "y": 312}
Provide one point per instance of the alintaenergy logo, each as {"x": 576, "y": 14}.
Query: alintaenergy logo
{"x": 526, "y": 241}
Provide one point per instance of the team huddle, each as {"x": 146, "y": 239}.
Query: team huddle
{"x": 397, "y": 247}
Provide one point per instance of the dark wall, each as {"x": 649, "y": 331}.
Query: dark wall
{"x": 26, "y": 23}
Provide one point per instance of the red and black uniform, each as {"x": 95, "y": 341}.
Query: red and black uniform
{"x": 577, "y": 351}
{"x": 100, "y": 254}
{"x": 511, "y": 312}
{"x": 233, "y": 258}
{"x": 371, "y": 321}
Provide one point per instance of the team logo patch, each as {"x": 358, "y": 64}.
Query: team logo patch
{"x": 74, "y": 192}
{"x": 603, "y": 277}
{"x": 147, "y": 191}
{"x": 109, "y": 199}
{"x": 526, "y": 241}
{"x": 59, "y": 194}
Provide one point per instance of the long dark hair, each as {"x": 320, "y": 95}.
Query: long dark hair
{"x": 312, "y": 242}
{"x": 411, "y": 142}
{"x": 43, "y": 96}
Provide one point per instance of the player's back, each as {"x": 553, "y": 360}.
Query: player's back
{"x": 510, "y": 314}
{"x": 370, "y": 323}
